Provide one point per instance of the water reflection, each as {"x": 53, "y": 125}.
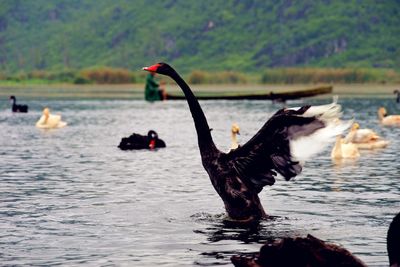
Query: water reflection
{"x": 344, "y": 162}
{"x": 228, "y": 237}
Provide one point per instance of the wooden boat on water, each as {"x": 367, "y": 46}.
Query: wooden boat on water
{"x": 276, "y": 96}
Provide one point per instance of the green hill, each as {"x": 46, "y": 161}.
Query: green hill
{"x": 210, "y": 35}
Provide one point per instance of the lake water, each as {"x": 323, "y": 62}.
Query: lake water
{"x": 71, "y": 197}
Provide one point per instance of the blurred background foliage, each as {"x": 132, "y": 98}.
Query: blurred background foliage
{"x": 282, "y": 41}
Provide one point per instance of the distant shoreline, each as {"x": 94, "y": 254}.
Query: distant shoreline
{"x": 135, "y": 91}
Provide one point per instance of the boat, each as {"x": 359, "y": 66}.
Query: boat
{"x": 275, "y": 96}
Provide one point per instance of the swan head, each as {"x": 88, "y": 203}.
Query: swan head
{"x": 12, "y": 99}
{"x": 161, "y": 68}
{"x": 382, "y": 112}
{"x": 152, "y": 135}
{"x": 46, "y": 111}
{"x": 355, "y": 126}
{"x": 235, "y": 128}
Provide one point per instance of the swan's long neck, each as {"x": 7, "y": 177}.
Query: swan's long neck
{"x": 234, "y": 141}
{"x": 381, "y": 115}
{"x": 350, "y": 136}
{"x": 203, "y": 130}
{"x": 337, "y": 149}
{"x": 46, "y": 118}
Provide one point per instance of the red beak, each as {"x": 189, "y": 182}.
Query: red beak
{"x": 152, "y": 68}
{"x": 152, "y": 144}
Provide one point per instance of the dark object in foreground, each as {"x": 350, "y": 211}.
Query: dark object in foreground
{"x": 238, "y": 176}
{"x": 299, "y": 252}
{"x": 393, "y": 242}
{"x": 17, "y": 108}
{"x": 137, "y": 141}
{"x": 313, "y": 252}
{"x": 280, "y": 97}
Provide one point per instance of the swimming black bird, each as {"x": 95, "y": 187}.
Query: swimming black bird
{"x": 137, "y": 141}
{"x": 17, "y": 108}
{"x": 397, "y": 92}
{"x": 313, "y": 252}
{"x": 278, "y": 147}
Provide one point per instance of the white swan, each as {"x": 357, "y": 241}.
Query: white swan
{"x": 342, "y": 150}
{"x": 388, "y": 119}
{"x": 364, "y": 138}
{"x": 357, "y": 135}
{"x": 373, "y": 145}
{"x": 49, "y": 121}
{"x": 235, "y": 130}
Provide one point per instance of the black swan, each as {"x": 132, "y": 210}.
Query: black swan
{"x": 397, "y": 92}
{"x": 238, "y": 176}
{"x": 313, "y": 252}
{"x": 18, "y": 108}
{"x": 137, "y": 141}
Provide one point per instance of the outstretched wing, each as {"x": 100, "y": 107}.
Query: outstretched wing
{"x": 289, "y": 137}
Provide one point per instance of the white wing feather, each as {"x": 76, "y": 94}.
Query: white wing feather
{"x": 304, "y": 147}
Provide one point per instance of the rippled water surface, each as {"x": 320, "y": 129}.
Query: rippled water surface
{"x": 71, "y": 197}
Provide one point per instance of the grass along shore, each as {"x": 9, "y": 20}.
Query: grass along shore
{"x": 136, "y": 91}
{"x": 304, "y": 75}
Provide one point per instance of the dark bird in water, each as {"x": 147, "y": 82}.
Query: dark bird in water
{"x": 299, "y": 252}
{"x": 393, "y": 242}
{"x": 313, "y": 252}
{"x": 137, "y": 141}
{"x": 397, "y": 92}
{"x": 17, "y": 108}
{"x": 288, "y": 137}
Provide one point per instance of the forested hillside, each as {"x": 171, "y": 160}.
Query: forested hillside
{"x": 206, "y": 35}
